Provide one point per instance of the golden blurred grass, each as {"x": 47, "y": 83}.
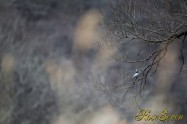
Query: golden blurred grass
{"x": 6, "y": 104}
{"x": 85, "y": 32}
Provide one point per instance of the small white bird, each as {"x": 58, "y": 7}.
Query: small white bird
{"x": 136, "y": 74}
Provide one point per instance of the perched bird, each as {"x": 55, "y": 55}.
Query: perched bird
{"x": 137, "y": 73}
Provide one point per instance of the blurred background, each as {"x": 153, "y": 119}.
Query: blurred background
{"x": 56, "y": 60}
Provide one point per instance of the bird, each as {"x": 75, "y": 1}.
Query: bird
{"x": 137, "y": 73}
